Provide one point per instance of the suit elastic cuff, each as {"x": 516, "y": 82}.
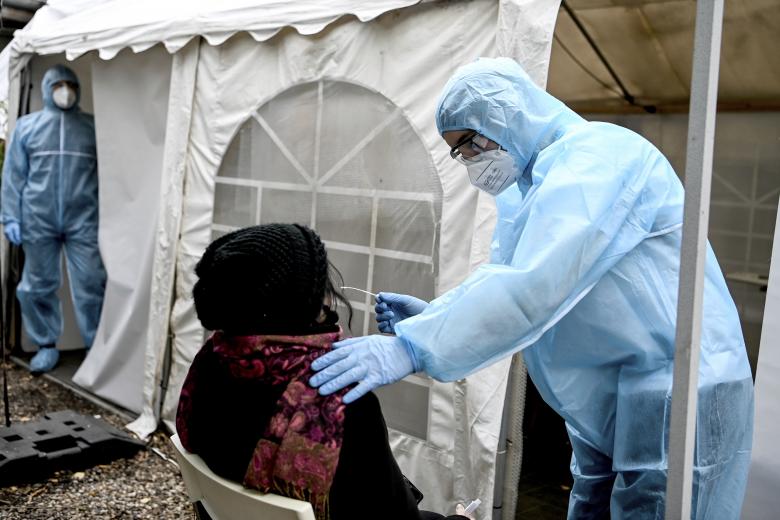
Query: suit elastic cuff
{"x": 410, "y": 350}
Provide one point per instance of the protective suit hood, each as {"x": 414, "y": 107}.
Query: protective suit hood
{"x": 495, "y": 97}
{"x": 52, "y": 76}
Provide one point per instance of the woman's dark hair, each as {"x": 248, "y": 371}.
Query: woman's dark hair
{"x": 265, "y": 279}
{"x": 336, "y": 296}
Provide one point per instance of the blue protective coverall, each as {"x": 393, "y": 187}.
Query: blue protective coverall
{"x": 50, "y": 187}
{"x": 583, "y": 279}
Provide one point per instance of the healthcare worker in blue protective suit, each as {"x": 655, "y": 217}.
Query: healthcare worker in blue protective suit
{"x": 50, "y": 201}
{"x": 583, "y": 280}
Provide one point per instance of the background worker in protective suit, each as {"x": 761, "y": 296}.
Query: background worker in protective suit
{"x": 583, "y": 279}
{"x": 50, "y": 200}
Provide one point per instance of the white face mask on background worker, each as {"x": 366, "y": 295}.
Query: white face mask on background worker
{"x": 490, "y": 168}
{"x": 63, "y": 95}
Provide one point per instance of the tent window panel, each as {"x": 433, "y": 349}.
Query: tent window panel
{"x": 768, "y": 180}
{"x": 765, "y": 220}
{"x": 734, "y": 178}
{"x": 394, "y": 159}
{"x": 305, "y": 156}
{"x": 234, "y": 205}
{"x": 721, "y": 193}
{"x": 372, "y": 327}
{"x": 293, "y": 207}
{"x": 237, "y": 162}
{"x": 291, "y": 116}
{"x": 344, "y": 218}
{"x": 404, "y": 225}
{"x": 353, "y": 267}
{"x": 729, "y": 218}
{"x": 216, "y": 233}
{"x": 364, "y": 172}
{"x": 340, "y": 135}
{"x": 274, "y": 159}
{"x": 405, "y": 407}
{"x": 404, "y": 277}
{"x": 728, "y": 248}
{"x": 357, "y": 321}
{"x": 761, "y": 252}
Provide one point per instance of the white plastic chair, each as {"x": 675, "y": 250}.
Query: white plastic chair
{"x": 227, "y": 500}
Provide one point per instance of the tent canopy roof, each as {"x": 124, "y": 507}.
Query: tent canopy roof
{"x": 649, "y": 44}
{"x": 109, "y": 26}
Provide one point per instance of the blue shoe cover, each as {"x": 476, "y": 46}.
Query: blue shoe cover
{"x": 45, "y": 360}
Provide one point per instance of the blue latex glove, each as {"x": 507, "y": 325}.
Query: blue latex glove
{"x": 371, "y": 361}
{"x": 13, "y": 233}
{"x": 391, "y": 308}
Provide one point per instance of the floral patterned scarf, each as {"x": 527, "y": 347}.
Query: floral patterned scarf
{"x": 298, "y": 453}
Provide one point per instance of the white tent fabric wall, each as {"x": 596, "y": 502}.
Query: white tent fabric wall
{"x": 130, "y": 118}
{"x": 5, "y": 56}
{"x": 169, "y": 221}
{"x": 761, "y": 499}
{"x": 393, "y": 57}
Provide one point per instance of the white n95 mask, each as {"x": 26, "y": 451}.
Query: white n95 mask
{"x": 492, "y": 171}
{"x": 64, "y": 97}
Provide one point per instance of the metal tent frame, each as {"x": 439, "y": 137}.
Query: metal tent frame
{"x": 698, "y": 177}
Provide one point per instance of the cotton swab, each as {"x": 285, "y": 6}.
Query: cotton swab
{"x": 360, "y": 290}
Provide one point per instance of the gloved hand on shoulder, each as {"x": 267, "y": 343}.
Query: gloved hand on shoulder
{"x": 370, "y": 361}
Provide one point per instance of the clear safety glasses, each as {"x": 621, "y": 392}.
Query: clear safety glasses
{"x": 473, "y": 140}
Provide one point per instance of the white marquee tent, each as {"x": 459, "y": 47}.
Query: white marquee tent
{"x": 217, "y": 115}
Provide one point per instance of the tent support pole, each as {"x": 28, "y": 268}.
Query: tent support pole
{"x": 166, "y": 372}
{"x": 698, "y": 176}
{"x": 514, "y": 411}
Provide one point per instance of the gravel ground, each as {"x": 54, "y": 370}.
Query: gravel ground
{"x": 145, "y": 486}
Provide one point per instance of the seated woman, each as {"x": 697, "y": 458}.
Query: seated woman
{"x": 246, "y": 408}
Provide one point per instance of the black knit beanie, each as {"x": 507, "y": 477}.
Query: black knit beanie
{"x": 262, "y": 279}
